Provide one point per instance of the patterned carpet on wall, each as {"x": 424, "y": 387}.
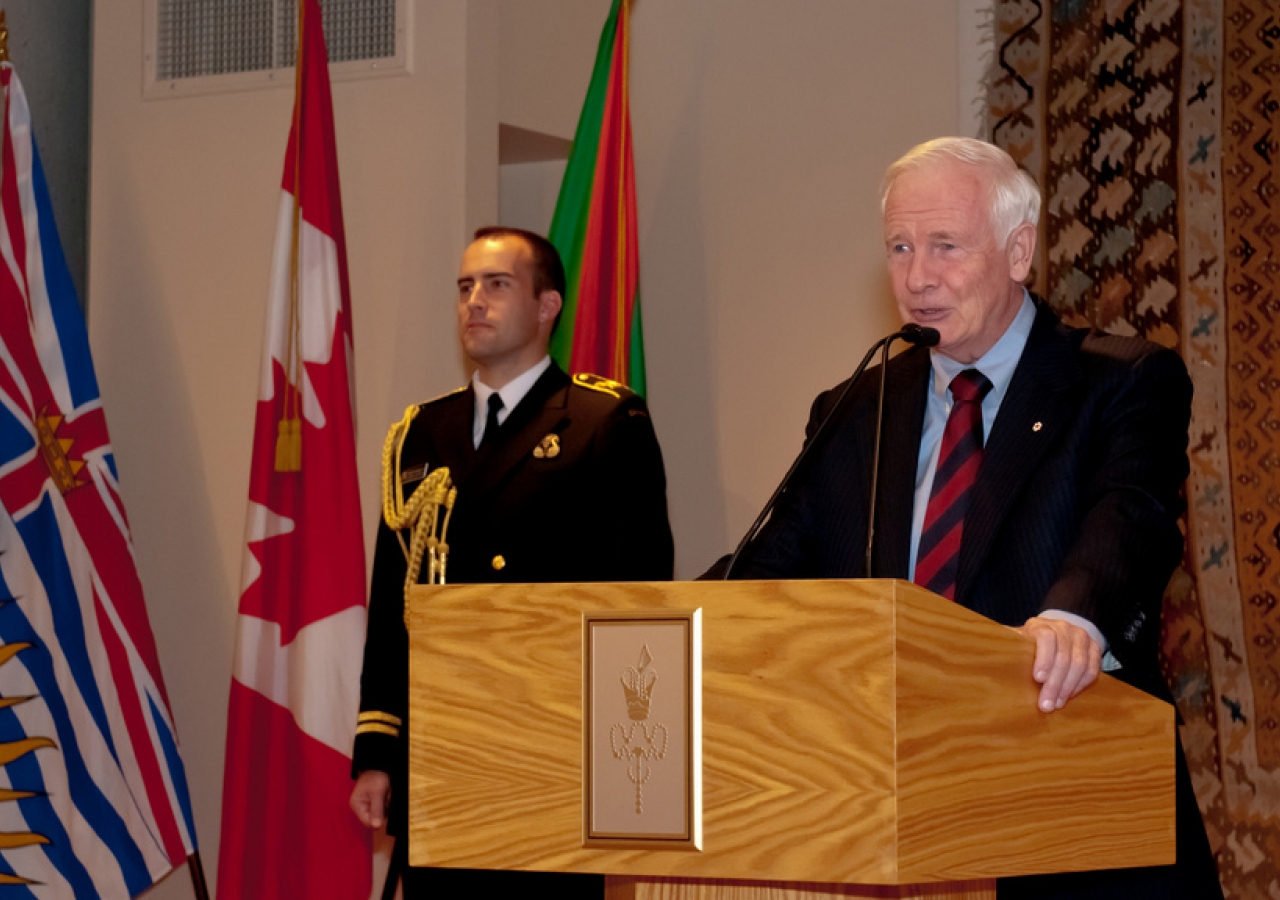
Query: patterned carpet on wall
{"x": 1151, "y": 126}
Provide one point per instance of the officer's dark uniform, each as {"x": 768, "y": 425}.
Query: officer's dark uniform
{"x": 571, "y": 489}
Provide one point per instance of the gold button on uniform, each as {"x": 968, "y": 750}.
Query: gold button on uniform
{"x": 499, "y": 563}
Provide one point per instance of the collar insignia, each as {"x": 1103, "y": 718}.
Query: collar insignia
{"x": 548, "y": 447}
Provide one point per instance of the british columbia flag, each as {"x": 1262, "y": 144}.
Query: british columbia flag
{"x": 93, "y": 796}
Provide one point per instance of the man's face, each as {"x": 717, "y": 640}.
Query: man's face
{"x": 947, "y": 269}
{"x": 502, "y": 323}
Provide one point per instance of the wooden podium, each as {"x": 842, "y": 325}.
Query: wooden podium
{"x": 858, "y": 738}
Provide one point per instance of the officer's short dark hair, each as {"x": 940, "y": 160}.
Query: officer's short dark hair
{"x": 548, "y": 270}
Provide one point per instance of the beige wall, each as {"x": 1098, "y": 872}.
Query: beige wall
{"x": 547, "y": 49}
{"x": 761, "y": 132}
{"x": 761, "y": 129}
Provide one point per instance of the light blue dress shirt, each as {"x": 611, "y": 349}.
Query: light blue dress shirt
{"x": 998, "y": 364}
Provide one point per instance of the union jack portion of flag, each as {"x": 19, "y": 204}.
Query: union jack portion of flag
{"x": 93, "y": 795}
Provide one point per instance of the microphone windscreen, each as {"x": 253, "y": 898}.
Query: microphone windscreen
{"x": 920, "y": 335}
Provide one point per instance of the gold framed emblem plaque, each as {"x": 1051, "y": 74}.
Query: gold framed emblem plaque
{"x": 642, "y": 729}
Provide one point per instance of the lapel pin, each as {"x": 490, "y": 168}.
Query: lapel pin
{"x": 1037, "y": 426}
{"x": 548, "y": 447}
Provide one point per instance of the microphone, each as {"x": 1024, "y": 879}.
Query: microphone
{"x": 920, "y": 335}
{"x": 912, "y": 334}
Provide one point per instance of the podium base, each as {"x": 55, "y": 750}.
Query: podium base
{"x": 627, "y": 887}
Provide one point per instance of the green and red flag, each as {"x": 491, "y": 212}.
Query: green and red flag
{"x": 594, "y": 226}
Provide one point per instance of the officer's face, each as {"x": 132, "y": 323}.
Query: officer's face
{"x": 502, "y": 322}
{"x": 949, "y": 269}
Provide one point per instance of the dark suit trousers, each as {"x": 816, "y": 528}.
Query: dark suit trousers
{"x": 478, "y": 884}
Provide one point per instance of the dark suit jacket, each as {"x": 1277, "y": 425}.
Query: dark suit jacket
{"x": 1075, "y": 508}
{"x": 596, "y": 511}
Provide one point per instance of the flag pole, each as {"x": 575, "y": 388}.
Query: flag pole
{"x": 289, "y": 439}
{"x": 4, "y": 58}
{"x": 197, "y": 876}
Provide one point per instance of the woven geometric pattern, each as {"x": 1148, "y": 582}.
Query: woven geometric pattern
{"x": 1150, "y": 126}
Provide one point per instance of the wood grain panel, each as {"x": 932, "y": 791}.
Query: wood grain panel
{"x": 629, "y": 888}
{"x": 1088, "y": 786}
{"x": 816, "y": 696}
{"x": 797, "y": 695}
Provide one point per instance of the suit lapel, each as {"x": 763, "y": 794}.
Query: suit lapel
{"x": 904, "y": 402}
{"x": 542, "y": 411}
{"x": 1036, "y": 408}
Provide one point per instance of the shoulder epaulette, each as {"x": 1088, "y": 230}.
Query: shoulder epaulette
{"x": 603, "y": 385}
{"x": 443, "y": 396}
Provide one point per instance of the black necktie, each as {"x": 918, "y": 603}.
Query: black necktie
{"x": 491, "y": 421}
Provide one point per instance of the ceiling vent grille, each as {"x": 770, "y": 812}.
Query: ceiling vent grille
{"x": 199, "y": 46}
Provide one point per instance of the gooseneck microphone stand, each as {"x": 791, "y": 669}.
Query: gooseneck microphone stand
{"x": 912, "y": 334}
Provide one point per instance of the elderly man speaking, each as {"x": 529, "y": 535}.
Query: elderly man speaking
{"x": 1029, "y": 471}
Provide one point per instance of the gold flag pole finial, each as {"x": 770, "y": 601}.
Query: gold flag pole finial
{"x": 4, "y": 38}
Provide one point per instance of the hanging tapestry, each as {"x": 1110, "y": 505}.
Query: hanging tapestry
{"x": 1149, "y": 125}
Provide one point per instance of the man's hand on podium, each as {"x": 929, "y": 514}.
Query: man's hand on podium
{"x": 370, "y": 796}
{"x": 1067, "y": 660}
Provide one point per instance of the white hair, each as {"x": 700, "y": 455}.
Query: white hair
{"x": 1015, "y": 198}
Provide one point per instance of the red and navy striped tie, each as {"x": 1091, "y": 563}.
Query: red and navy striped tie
{"x": 958, "y": 460}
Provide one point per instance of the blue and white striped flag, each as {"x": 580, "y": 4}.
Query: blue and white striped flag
{"x": 93, "y": 796}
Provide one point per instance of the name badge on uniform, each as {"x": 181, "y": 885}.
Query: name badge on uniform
{"x": 413, "y": 473}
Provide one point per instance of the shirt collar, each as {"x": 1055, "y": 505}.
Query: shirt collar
{"x": 511, "y": 393}
{"x": 998, "y": 363}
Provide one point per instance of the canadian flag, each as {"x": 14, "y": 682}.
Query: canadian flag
{"x": 287, "y": 831}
